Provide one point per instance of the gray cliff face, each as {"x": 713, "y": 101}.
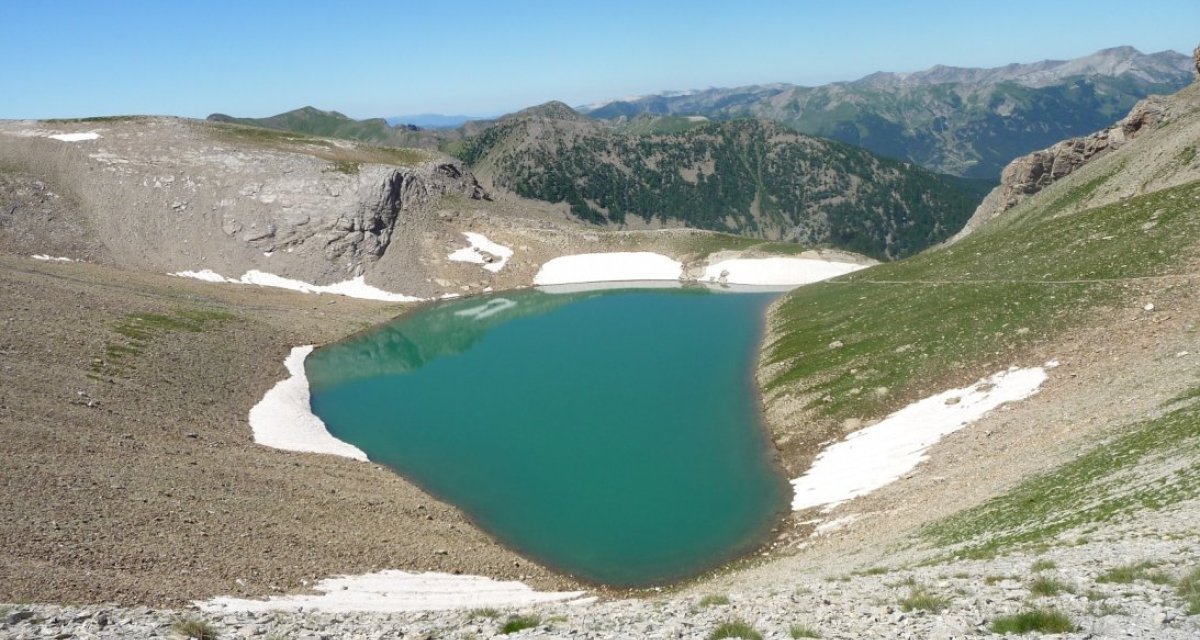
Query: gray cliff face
{"x": 1196, "y": 59}
{"x": 312, "y": 215}
{"x": 1032, "y": 173}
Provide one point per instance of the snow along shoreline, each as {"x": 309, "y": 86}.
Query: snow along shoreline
{"x": 283, "y": 419}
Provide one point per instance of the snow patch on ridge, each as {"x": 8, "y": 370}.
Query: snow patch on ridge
{"x": 49, "y": 258}
{"x": 479, "y": 246}
{"x": 882, "y": 453}
{"x": 75, "y": 137}
{"x": 608, "y": 267}
{"x": 283, "y": 419}
{"x": 776, "y": 271}
{"x": 397, "y": 591}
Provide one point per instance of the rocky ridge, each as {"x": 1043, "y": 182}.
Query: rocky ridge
{"x": 1032, "y": 173}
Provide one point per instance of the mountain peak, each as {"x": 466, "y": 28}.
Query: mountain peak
{"x": 553, "y": 110}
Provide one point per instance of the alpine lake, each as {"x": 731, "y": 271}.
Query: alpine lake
{"x": 614, "y": 435}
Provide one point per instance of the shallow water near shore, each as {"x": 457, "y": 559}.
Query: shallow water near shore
{"x": 612, "y": 435}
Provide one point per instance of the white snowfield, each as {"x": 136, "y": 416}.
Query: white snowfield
{"x": 396, "y": 591}
{"x": 646, "y": 266}
{"x": 49, "y": 258}
{"x": 283, "y": 419}
{"x": 480, "y": 245}
{"x": 75, "y": 137}
{"x": 776, "y": 271}
{"x": 608, "y": 267}
{"x": 882, "y": 453}
{"x": 353, "y": 288}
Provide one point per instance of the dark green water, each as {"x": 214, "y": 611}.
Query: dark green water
{"x": 611, "y": 435}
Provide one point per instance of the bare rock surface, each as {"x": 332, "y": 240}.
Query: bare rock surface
{"x": 1032, "y": 173}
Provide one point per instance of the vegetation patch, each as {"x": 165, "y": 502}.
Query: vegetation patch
{"x": 714, "y": 599}
{"x": 1040, "y": 620}
{"x": 803, "y": 631}
{"x": 1116, "y": 477}
{"x": 347, "y": 167}
{"x": 485, "y": 612}
{"x": 1046, "y": 586}
{"x": 735, "y": 629}
{"x": 135, "y": 331}
{"x": 195, "y": 628}
{"x": 1130, "y": 573}
{"x": 1188, "y": 588}
{"x": 1042, "y": 565}
{"x": 517, "y": 623}
{"x": 920, "y": 598}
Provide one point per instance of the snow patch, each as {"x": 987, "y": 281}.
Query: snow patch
{"x": 480, "y": 245}
{"x": 75, "y": 137}
{"x": 49, "y": 258}
{"x": 588, "y": 287}
{"x": 776, "y": 271}
{"x": 882, "y": 453}
{"x": 608, "y": 267}
{"x": 398, "y": 591}
{"x": 207, "y": 275}
{"x": 283, "y": 419}
{"x": 353, "y": 288}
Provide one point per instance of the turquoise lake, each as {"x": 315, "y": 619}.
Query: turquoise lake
{"x": 612, "y": 435}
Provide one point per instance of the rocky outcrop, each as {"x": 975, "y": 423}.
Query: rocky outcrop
{"x": 1196, "y": 59}
{"x": 168, "y": 194}
{"x": 1032, "y": 173}
{"x": 361, "y": 234}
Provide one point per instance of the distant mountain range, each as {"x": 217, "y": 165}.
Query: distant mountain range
{"x": 331, "y": 124}
{"x": 968, "y": 122}
{"x": 432, "y": 120}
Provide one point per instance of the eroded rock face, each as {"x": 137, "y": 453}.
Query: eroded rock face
{"x": 1196, "y": 58}
{"x": 359, "y": 233}
{"x": 1031, "y": 173}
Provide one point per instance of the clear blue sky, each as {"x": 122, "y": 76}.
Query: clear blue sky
{"x": 63, "y": 58}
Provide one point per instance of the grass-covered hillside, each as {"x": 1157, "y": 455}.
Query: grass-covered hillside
{"x": 748, "y": 177}
{"x": 1109, "y": 254}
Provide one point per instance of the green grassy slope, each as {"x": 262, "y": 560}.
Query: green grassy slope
{"x": 1081, "y": 255}
{"x": 950, "y": 314}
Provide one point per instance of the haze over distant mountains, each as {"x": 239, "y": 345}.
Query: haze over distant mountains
{"x": 962, "y": 121}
